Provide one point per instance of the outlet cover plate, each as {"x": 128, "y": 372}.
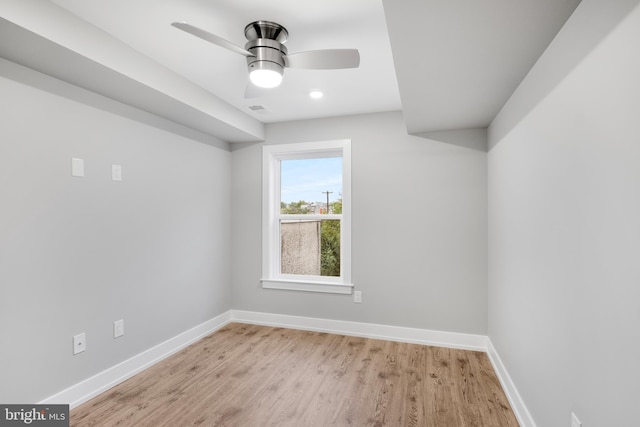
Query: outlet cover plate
{"x": 116, "y": 172}
{"x": 357, "y": 297}
{"x": 79, "y": 343}
{"x": 118, "y": 328}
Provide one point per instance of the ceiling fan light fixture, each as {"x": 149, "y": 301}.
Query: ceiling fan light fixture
{"x": 265, "y": 74}
{"x": 265, "y": 78}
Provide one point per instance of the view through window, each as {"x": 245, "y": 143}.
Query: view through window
{"x": 310, "y": 216}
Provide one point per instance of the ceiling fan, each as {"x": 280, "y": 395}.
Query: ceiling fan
{"x": 267, "y": 57}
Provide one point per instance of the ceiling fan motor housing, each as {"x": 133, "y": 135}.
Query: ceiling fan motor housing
{"x": 266, "y": 44}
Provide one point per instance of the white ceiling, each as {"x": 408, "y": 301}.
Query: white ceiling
{"x": 447, "y": 64}
{"x": 327, "y": 24}
{"x": 459, "y": 61}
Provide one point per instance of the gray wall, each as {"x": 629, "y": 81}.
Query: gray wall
{"x": 419, "y": 228}
{"x": 564, "y": 224}
{"x": 76, "y": 254}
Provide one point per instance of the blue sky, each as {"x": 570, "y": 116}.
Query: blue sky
{"x": 306, "y": 179}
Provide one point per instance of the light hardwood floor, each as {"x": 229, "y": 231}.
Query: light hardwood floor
{"x": 248, "y": 375}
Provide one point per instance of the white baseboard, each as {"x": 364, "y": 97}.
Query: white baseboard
{"x": 101, "y": 382}
{"x": 367, "y": 330}
{"x": 517, "y": 404}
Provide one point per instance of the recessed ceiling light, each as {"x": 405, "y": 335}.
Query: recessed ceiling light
{"x": 316, "y": 94}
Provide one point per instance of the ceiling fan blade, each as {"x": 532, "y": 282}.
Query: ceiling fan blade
{"x": 212, "y": 38}
{"x": 327, "y": 59}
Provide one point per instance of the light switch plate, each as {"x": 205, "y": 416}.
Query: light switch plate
{"x": 77, "y": 167}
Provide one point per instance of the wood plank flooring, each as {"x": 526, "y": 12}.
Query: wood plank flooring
{"x": 248, "y": 375}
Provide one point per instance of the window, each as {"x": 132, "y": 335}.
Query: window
{"x": 307, "y": 217}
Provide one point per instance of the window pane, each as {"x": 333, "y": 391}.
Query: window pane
{"x": 310, "y": 247}
{"x": 306, "y": 185}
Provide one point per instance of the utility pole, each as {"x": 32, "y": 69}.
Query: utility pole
{"x": 327, "y": 193}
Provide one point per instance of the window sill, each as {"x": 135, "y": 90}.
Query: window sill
{"x": 307, "y": 286}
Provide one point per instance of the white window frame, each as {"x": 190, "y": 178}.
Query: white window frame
{"x": 272, "y": 278}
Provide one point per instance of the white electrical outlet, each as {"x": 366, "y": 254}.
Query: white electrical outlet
{"x": 357, "y": 297}
{"x": 79, "y": 343}
{"x": 116, "y": 172}
{"x": 118, "y": 328}
{"x": 575, "y": 422}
